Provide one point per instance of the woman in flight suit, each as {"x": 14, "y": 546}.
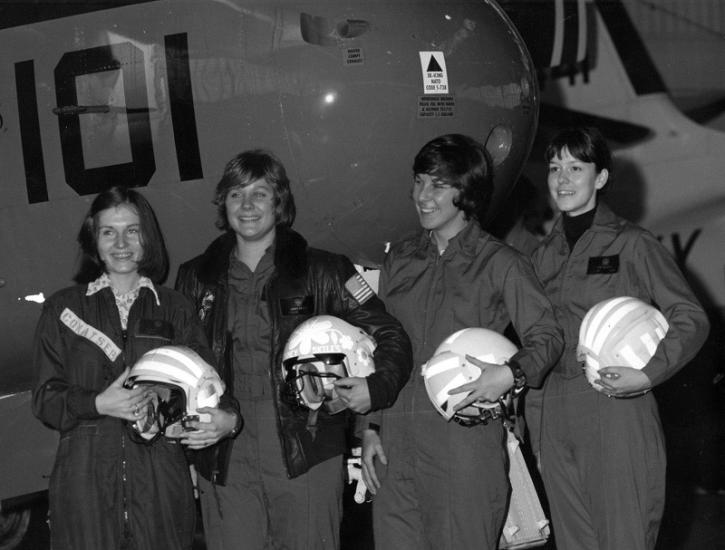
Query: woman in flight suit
{"x": 109, "y": 489}
{"x": 440, "y": 484}
{"x": 603, "y": 456}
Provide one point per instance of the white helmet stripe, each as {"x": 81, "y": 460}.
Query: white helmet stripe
{"x": 596, "y": 319}
{"x": 592, "y": 324}
{"x": 458, "y": 380}
{"x": 612, "y": 320}
{"x": 181, "y": 358}
{"x": 443, "y": 365}
{"x": 169, "y": 371}
{"x": 631, "y": 357}
{"x": 649, "y": 342}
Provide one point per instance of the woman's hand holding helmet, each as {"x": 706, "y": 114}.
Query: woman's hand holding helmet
{"x": 622, "y": 382}
{"x": 121, "y": 402}
{"x": 354, "y": 393}
{"x": 222, "y": 423}
{"x": 494, "y": 381}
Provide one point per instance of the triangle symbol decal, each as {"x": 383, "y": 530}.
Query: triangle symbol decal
{"x": 433, "y": 66}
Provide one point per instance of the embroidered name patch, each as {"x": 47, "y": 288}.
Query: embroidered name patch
{"x": 81, "y": 328}
{"x": 603, "y": 265}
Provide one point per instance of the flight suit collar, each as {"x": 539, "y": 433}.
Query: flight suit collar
{"x": 465, "y": 242}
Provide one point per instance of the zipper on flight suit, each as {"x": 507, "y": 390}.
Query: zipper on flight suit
{"x": 127, "y": 535}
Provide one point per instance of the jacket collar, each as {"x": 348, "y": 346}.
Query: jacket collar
{"x": 466, "y": 242}
{"x": 290, "y": 255}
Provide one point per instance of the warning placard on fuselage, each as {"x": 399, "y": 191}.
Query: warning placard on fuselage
{"x": 436, "y": 106}
{"x": 435, "y": 76}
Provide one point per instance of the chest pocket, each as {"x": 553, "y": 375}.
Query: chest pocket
{"x": 152, "y": 333}
{"x": 606, "y": 277}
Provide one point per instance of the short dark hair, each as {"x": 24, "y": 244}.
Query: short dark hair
{"x": 154, "y": 262}
{"x": 463, "y": 163}
{"x": 250, "y": 166}
{"x": 585, "y": 143}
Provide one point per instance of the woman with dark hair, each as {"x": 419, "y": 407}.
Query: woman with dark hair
{"x": 602, "y": 446}
{"x": 278, "y": 484}
{"x": 109, "y": 488}
{"x": 443, "y": 484}
{"x": 154, "y": 263}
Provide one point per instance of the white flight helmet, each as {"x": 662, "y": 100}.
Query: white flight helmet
{"x": 621, "y": 331}
{"x": 180, "y": 382}
{"x": 321, "y": 350}
{"x": 449, "y": 368}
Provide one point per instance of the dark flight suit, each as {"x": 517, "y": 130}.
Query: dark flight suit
{"x": 603, "y": 459}
{"x": 446, "y": 485}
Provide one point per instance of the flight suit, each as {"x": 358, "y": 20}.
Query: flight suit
{"x": 108, "y": 490}
{"x": 446, "y": 485}
{"x": 603, "y": 459}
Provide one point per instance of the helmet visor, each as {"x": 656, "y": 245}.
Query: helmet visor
{"x": 313, "y": 377}
{"x": 166, "y": 407}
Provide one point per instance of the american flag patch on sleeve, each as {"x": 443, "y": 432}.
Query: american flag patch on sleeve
{"x": 359, "y": 289}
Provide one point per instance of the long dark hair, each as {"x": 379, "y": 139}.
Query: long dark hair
{"x": 462, "y": 162}
{"x": 154, "y": 262}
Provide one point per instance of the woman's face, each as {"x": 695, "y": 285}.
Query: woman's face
{"x": 251, "y": 211}
{"x": 573, "y": 183}
{"x": 433, "y": 200}
{"x": 120, "y": 244}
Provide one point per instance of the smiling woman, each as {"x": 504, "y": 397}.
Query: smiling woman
{"x": 251, "y": 211}
{"x": 120, "y": 236}
{"x": 451, "y": 276}
{"x": 279, "y": 481}
{"x": 87, "y": 338}
{"x": 586, "y": 433}
{"x": 119, "y": 244}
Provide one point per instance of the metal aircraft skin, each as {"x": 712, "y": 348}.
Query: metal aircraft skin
{"x": 161, "y": 94}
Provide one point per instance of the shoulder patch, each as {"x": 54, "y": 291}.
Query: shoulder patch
{"x": 359, "y": 289}
{"x": 83, "y": 329}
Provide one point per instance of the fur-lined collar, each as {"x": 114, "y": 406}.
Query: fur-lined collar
{"x": 290, "y": 258}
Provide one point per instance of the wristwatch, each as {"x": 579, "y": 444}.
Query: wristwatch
{"x": 519, "y": 375}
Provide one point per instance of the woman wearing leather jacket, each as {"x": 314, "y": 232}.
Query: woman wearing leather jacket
{"x": 279, "y": 482}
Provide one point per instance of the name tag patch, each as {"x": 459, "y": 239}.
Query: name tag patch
{"x": 81, "y": 328}
{"x": 602, "y": 265}
{"x": 297, "y": 305}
